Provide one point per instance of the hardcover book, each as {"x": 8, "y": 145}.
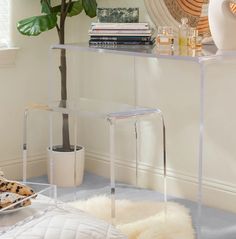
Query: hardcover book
{"x": 120, "y": 38}
{"x": 91, "y": 42}
{"x": 119, "y": 26}
{"x": 118, "y": 33}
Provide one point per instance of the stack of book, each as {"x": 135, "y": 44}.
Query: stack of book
{"x": 120, "y": 34}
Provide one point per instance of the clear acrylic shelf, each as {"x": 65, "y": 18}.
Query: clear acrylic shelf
{"x": 44, "y": 199}
{"x": 144, "y": 51}
{"x": 97, "y": 109}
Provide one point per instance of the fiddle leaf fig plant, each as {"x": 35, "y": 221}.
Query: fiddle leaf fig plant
{"x": 54, "y": 15}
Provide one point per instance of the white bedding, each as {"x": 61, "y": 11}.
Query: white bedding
{"x": 65, "y": 223}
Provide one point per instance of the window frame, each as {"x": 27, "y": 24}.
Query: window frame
{"x": 5, "y": 23}
{"x": 8, "y": 53}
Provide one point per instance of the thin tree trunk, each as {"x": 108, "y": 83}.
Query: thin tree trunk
{"x": 65, "y": 117}
{"x": 63, "y": 71}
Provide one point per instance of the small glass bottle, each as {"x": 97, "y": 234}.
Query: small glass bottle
{"x": 183, "y": 32}
{"x": 199, "y": 43}
{"x": 165, "y": 37}
{"x": 195, "y": 40}
{"x": 192, "y": 37}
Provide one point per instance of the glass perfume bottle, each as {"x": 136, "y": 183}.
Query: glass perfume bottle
{"x": 199, "y": 43}
{"x": 194, "y": 39}
{"x": 165, "y": 37}
{"x": 183, "y": 32}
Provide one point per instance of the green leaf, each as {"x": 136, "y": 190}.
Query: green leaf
{"x": 90, "y": 7}
{"x": 56, "y": 9}
{"x": 76, "y": 8}
{"x": 33, "y": 26}
{"x": 45, "y": 6}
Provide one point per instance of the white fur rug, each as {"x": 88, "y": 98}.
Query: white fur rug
{"x": 143, "y": 220}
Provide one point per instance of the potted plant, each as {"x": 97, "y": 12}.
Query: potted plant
{"x": 54, "y": 16}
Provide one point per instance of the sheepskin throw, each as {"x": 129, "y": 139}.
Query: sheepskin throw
{"x": 143, "y": 220}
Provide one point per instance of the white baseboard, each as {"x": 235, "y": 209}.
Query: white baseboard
{"x": 13, "y": 168}
{"x": 215, "y": 193}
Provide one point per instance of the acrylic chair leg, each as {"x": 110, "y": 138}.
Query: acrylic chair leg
{"x": 51, "y": 147}
{"x": 75, "y": 149}
{"x": 137, "y": 152}
{"x": 112, "y": 170}
{"x": 25, "y": 146}
{"x": 55, "y": 194}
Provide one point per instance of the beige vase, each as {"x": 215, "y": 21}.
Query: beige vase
{"x": 67, "y": 168}
{"x": 222, "y": 24}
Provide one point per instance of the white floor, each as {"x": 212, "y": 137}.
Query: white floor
{"x": 216, "y": 224}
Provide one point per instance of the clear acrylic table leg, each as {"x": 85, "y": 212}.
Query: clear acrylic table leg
{"x": 200, "y": 157}
{"x": 164, "y": 156}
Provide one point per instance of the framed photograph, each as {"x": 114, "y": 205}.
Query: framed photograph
{"x": 118, "y": 15}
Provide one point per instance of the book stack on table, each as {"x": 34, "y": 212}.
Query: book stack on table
{"x": 120, "y": 34}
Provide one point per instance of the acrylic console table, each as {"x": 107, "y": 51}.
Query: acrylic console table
{"x": 208, "y": 54}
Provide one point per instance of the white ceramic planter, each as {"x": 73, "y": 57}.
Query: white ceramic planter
{"x": 67, "y": 170}
{"x": 222, "y": 24}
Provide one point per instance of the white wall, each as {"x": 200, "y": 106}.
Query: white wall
{"x": 21, "y": 84}
{"x": 170, "y": 85}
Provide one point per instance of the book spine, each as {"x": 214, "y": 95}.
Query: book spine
{"x": 100, "y": 43}
{"x": 117, "y": 31}
{"x": 122, "y": 34}
{"x": 120, "y": 38}
{"x": 119, "y": 23}
{"x": 120, "y": 26}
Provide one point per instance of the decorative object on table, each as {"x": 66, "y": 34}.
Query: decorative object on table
{"x": 183, "y": 32}
{"x": 223, "y": 24}
{"x": 189, "y": 36}
{"x": 68, "y": 167}
{"x": 118, "y": 15}
{"x": 194, "y": 40}
{"x": 120, "y": 34}
{"x": 170, "y": 13}
{"x": 165, "y": 37}
{"x": 55, "y": 16}
{"x": 139, "y": 219}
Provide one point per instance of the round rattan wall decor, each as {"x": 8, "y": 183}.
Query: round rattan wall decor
{"x": 170, "y": 12}
{"x": 233, "y": 7}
